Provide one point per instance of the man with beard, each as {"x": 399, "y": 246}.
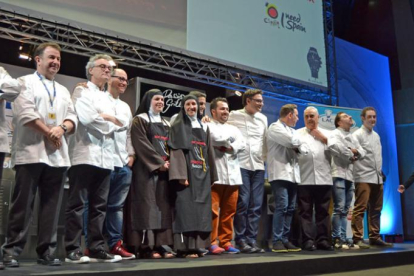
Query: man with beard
{"x": 345, "y": 150}
{"x": 369, "y": 188}
{"x": 42, "y": 115}
{"x": 228, "y": 142}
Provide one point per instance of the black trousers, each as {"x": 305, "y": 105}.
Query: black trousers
{"x": 87, "y": 183}
{"x": 316, "y": 197}
{"x": 48, "y": 181}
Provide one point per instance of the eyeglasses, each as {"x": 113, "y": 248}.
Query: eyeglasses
{"x": 122, "y": 79}
{"x": 104, "y": 67}
{"x": 258, "y": 101}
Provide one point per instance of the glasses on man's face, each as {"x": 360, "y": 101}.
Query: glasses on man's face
{"x": 259, "y": 101}
{"x": 104, "y": 67}
{"x": 122, "y": 79}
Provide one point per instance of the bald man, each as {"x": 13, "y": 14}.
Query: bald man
{"x": 121, "y": 175}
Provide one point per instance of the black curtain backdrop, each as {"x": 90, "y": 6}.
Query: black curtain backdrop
{"x": 412, "y": 8}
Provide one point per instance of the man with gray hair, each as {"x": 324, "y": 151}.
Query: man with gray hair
{"x": 42, "y": 116}
{"x": 315, "y": 188}
{"x": 92, "y": 150}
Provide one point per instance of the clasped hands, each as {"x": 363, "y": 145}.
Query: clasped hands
{"x": 54, "y": 136}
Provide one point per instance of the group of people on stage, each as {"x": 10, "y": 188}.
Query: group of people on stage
{"x": 192, "y": 183}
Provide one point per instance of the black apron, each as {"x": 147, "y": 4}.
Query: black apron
{"x": 159, "y": 139}
{"x": 193, "y": 202}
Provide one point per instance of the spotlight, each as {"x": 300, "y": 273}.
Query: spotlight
{"x": 25, "y": 52}
{"x": 25, "y": 56}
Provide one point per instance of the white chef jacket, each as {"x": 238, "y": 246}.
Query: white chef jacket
{"x": 123, "y": 144}
{"x": 253, "y": 129}
{"x": 30, "y": 146}
{"x": 368, "y": 169}
{"x": 282, "y": 161}
{"x": 9, "y": 90}
{"x": 93, "y": 143}
{"x": 315, "y": 167}
{"x": 227, "y": 164}
{"x": 339, "y": 144}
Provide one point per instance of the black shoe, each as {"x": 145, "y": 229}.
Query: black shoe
{"x": 278, "y": 247}
{"x": 291, "y": 248}
{"x": 256, "y": 248}
{"x": 380, "y": 243}
{"x": 202, "y": 251}
{"x": 76, "y": 257}
{"x": 10, "y": 261}
{"x": 1, "y": 266}
{"x": 244, "y": 247}
{"x": 324, "y": 245}
{"x": 49, "y": 260}
{"x": 309, "y": 246}
{"x": 102, "y": 256}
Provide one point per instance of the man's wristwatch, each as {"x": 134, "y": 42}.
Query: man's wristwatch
{"x": 65, "y": 128}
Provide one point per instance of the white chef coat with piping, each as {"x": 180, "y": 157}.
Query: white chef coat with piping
{"x": 315, "y": 167}
{"x": 123, "y": 144}
{"x": 253, "y": 129}
{"x": 227, "y": 164}
{"x": 369, "y": 168}
{"x": 30, "y": 146}
{"x": 340, "y": 143}
{"x": 9, "y": 90}
{"x": 93, "y": 143}
{"x": 282, "y": 161}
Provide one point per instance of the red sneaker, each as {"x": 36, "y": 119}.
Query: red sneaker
{"x": 118, "y": 249}
{"x": 215, "y": 250}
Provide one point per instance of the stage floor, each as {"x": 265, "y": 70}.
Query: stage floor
{"x": 301, "y": 263}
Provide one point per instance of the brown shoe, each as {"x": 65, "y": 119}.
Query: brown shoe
{"x": 381, "y": 243}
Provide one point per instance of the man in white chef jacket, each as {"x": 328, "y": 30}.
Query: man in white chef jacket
{"x": 228, "y": 142}
{"x": 283, "y": 175}
{"x": 345, "y": 150}
{"x": 92, "y": 151}
{"x": 121, "y": 176}
{"x": 315, "y": 188}
{"x": 369, "y": 188}
{"x": 43, "y": 115}
{"x": 9, "y": 90}
{"x": 253, "y": 126}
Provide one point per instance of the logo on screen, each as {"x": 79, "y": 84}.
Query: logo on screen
{"x": 314, "y": 62}
{"x": 288, "y": 20}
{"x": 271, "y": 11}
{"x": 327, "y": 120}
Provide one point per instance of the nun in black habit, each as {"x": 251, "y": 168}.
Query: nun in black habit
{"x": 149, "y": 216}
{"x": 192, "y": 172}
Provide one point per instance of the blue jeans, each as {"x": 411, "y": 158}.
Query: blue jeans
{"x": 118, "y": 191}
{"x": 284, "y": 193}
{"x": 249, "y": 206}
{"x": 343, "y": 191}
